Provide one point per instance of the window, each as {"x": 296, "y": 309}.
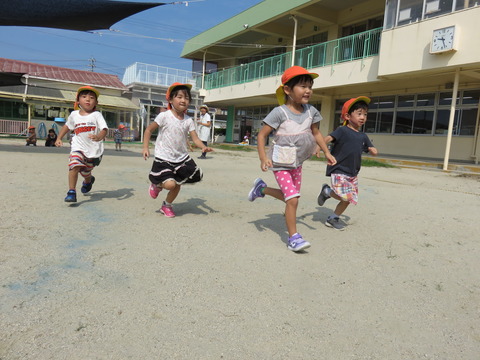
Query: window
{"x": 467, "y": 122}
{"x": 403, "y": 12}
{"x": 423, "y": 122}
{"x": 425, "y": 100}
{"x": 438, "y": 7}
{"x": 471, "y": 97}
{"x": 404, "y": 122}
{"x": 385, "y": 122}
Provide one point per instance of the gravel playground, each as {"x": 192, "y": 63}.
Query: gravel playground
{"x": 111, "y": 278}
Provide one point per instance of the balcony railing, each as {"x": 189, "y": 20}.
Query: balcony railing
{"x": 349, "y": 48}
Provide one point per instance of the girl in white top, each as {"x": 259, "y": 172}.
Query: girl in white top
{"x": 173, "y": 166}
{"x": 297, "y": 133}
{"x": 204, "y": 127}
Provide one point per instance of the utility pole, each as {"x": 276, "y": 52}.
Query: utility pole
{"x": 92, "y": 64}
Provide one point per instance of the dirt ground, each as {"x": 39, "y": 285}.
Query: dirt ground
{"x": 112, "y": 278}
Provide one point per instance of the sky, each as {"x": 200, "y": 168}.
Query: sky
{"x": 155, "y": 36}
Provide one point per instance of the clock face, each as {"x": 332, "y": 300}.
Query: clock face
{"x": 443, "y": 39}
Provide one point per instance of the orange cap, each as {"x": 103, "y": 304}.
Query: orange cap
{"x": 289, "y": 74}
{"x": 170, "y": 89}
{"x": 349, "y": 103}
{"x": 88, "y": 88}
{"x": 31, "y": 127}
{"x": 85, "y": 88}
{"x": 121, "y": 126}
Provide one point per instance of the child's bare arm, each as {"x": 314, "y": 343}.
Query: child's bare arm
{"x": 146, "y": 139}
{"x": 321, "y": 142}
{"x": 63, "y": 132}
{"x": 198, "y": 142}
{"x": 265, "y": 163}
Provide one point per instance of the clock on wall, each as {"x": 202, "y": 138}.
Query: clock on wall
{"x": 443, "y": 40}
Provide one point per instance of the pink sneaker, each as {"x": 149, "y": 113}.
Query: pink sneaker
{"x": 167, "y": 210}
{"x": 154, "y": 190}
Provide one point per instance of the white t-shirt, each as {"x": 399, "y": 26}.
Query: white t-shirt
{"x": 171, "y": 143}
{"x": 82, "y": 126}
{"x": 204, "y": 131}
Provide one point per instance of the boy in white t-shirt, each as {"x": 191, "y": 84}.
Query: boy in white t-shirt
{"x": 86, "y": 149}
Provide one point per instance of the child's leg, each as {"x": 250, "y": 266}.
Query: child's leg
{"x": 273, "y": 192}
{"x": 341, "y": 206}
{"x": 73, "y": 177}
{"x": 291, "y": 215}
{"x": 173, "y": 190}
{"x": 290, "y": 183}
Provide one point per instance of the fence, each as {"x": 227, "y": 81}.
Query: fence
{"x": 13, "y": 127}
{"x": 349, "y": 48}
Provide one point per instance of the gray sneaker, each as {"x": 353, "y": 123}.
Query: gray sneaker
{"x": 322, "y": 197}
{"x": 335, "y": 223}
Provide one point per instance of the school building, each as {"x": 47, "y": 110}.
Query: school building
{"x": 411, "y": 57}
{"x": 43, "y": 96}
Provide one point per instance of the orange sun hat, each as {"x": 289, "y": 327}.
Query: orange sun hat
{"x": 289, "y": 74}
{"x": 85, "y": 88}
{"x": 170, "y": 89}
{"x": 349, "y": 103}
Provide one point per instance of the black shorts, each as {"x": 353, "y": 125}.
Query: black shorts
{"x": 185, "y": 172}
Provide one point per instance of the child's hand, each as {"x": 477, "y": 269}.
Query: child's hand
{"x": 207, "y": 149}
{"x": 95, "y": 137}
{"x": 146, "y": 154}
{"x": 58, "y": 143}
{"x": 331, "y": 159}
{"x": 265, "y": 164}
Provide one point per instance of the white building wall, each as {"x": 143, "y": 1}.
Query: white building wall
{"x": 407, "y": 49}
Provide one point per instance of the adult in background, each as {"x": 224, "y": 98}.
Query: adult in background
{"x": 204, "y": 125}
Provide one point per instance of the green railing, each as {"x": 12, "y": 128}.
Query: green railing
{"x": 349, "y": 48}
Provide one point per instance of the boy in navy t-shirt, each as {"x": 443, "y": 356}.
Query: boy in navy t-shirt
{"x": 348, "y": 145}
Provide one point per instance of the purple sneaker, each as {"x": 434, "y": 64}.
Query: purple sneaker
{"x": 256, "y": 191}
{"x": 297, "y": 243}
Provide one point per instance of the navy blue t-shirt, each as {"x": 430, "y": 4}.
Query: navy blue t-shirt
{"x": 348, "y": 146}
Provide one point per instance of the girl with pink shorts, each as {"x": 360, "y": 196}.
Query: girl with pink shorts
{"x": 297, "y": 136}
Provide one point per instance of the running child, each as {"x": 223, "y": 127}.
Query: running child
{"x": 296, "y": 138}
{"x": 173, "y": 166}
{"x": 348, "y": 145}
{"x": 86, "y": 150}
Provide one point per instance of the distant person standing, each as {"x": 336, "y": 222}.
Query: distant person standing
{"x": 118, "y": 137}
{"x": 204, "y": 125}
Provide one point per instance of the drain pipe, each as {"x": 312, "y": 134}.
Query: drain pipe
{"x": 451, "y": 119}
{"x": 294, "y": 46}
{"x": 203, "y": 69}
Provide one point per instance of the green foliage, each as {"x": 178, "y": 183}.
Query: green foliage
{"x": 365, "y": 162}
{"x": 234, "y": 147}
